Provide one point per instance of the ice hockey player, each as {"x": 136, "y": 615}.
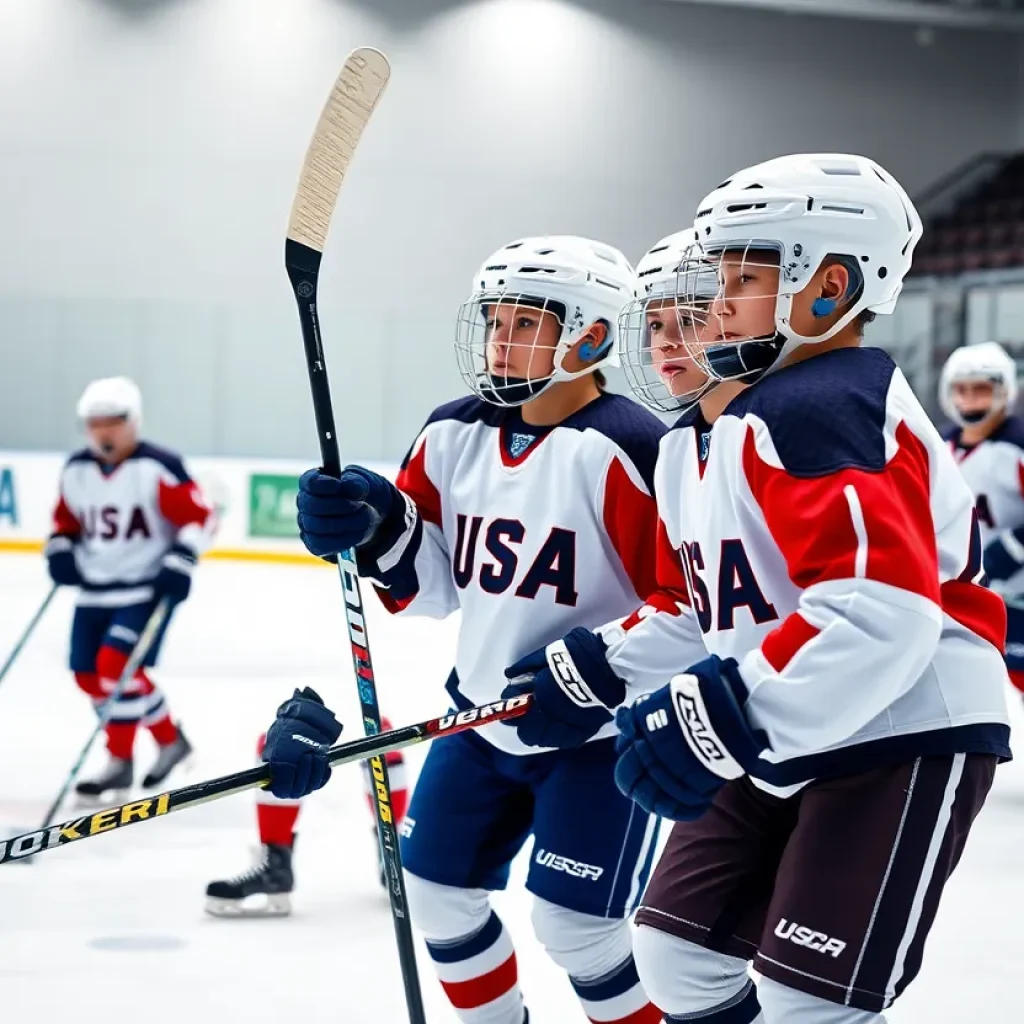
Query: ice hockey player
{"x": 529, "y": 507}
{"x": 977, "y": 390}
{"x": 128, "y": 527}
{"x": 837, "y": 731}
{"x": 265, "y": 890}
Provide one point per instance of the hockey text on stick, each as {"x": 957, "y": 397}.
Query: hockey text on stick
{"x": 370, "y": 748}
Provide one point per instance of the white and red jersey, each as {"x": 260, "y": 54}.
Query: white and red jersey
{"x": 527, "y": 545}
{"x": 994, "y": 471}
{"x": 125, "y": 519}
{"x": 831, "y": 547}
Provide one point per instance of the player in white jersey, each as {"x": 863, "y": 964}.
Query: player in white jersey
{"x": 528, "y": 507}
{"x": 127, "y": 529}
{"x": 977, "y": 389}
{"x": 838, "y": 728}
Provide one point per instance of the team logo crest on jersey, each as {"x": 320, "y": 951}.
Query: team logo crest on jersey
{"x": 705, "y": 445}
{"x": 519, "y": 444}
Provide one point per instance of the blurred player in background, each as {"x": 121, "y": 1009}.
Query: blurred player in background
{"x": 265, "y": 889}
{"x": 837, "y": 731}
{"x": 529, "y": 507}
{"x": 977, "y": 389}
{"x": 127, "y": 530}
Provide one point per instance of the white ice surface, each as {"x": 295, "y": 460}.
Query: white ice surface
{"x": 112, "y": 929}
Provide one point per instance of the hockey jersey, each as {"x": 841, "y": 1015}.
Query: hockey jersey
{"x": 124, "y": 519}
{"x": 829, "y": 545}
{"x": 994, "y": 471}
{"x": 528, "y": 531}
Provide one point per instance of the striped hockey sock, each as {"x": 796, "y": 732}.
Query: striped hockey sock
{"x": 157, "y": 718}
{"x": 479, "y": 975}
{"x": 616, "y": 998}
{"x": 275, "y": 817}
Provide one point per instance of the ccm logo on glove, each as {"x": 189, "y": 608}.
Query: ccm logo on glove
{"x": 572, "y": 683}
{"x": 299, "y": 738}
{"x": 696, "y": 725}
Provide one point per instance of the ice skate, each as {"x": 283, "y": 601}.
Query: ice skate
{"x": 262, "y": 891}
{"x": 167, "y": 760}
{"x": 115, "y": 779}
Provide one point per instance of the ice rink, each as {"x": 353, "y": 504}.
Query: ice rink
{"x": 112, "y": 930}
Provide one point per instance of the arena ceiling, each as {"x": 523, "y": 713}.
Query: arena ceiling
{"x": 986, "y": 14}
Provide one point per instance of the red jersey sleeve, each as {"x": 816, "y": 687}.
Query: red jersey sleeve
{"x": 631, "y": 518}
{"x": 850, "y": 524}
{"x": 65, "y": 522}
{"x": 182, "y": 504}
{"x": 413, "y": 480}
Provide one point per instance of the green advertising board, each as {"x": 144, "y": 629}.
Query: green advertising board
{"x": 272, "y": 505}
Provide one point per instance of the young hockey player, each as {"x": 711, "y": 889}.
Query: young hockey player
{"x": 128, "y": 528}
{"x": 265, "y": 889}
{"x": 977, "y": 389}
{"x": 529, "y": 507}
{"x": 837, "y": 731}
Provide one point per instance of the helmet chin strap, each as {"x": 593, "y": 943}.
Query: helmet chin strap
{"x": 977, "y": 418}
{"x": 971, "y": 419}
{"x": 509, "y": 391}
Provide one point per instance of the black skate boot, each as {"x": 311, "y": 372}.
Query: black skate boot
{"x": 169, "y": 758}
{"x": 116, "y": 777}
{"x": 262, "y": 891}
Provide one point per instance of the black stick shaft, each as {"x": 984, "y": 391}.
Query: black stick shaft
{"x": 303, "y": 265}
{"x": 29, "y": 630}
{"x": 56, "y": 836}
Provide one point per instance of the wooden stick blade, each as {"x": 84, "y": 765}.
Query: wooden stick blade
{"x": 348, "y": 108}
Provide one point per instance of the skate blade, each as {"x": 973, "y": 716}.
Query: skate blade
{"x": 259, "y": 905}
{"x": 108, "y": 798}
{"x": 183, "y": 767}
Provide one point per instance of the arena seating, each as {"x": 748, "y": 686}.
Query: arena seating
{"x": 983, "y": 231}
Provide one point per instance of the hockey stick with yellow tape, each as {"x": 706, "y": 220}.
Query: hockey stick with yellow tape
{"x": 365, "y": 747}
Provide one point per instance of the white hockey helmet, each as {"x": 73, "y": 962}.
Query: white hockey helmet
{"x": 579, "y": 281}
{"x": 652, "y": 329}
{"x": 985, "y": 362}
{"x": 801, "y": 210}
{"x": 111, "y": 396}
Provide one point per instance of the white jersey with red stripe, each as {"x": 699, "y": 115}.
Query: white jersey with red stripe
{"x": 830, "y": 546}
{"x": 994, "y": 471}
{"x": 125, "y": 519}
{"x": 527, "y": 545}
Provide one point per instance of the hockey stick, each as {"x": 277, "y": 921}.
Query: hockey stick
{"x": 29, "y": 629}
{"x": 374, "y": 748}
{"x": 106, "y": 709}
{"x": 346, "y": 113}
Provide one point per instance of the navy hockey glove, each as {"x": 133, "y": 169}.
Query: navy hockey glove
{"x": 573, "y": 689}
{"x": 1003, "y": 557}
{"x": 679, "y": 745}
{"x": 174, "y": 580}
{"x": 340, "y": 513}
{"x": 297, "y": 745}
{"x": 60, "y": 561}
